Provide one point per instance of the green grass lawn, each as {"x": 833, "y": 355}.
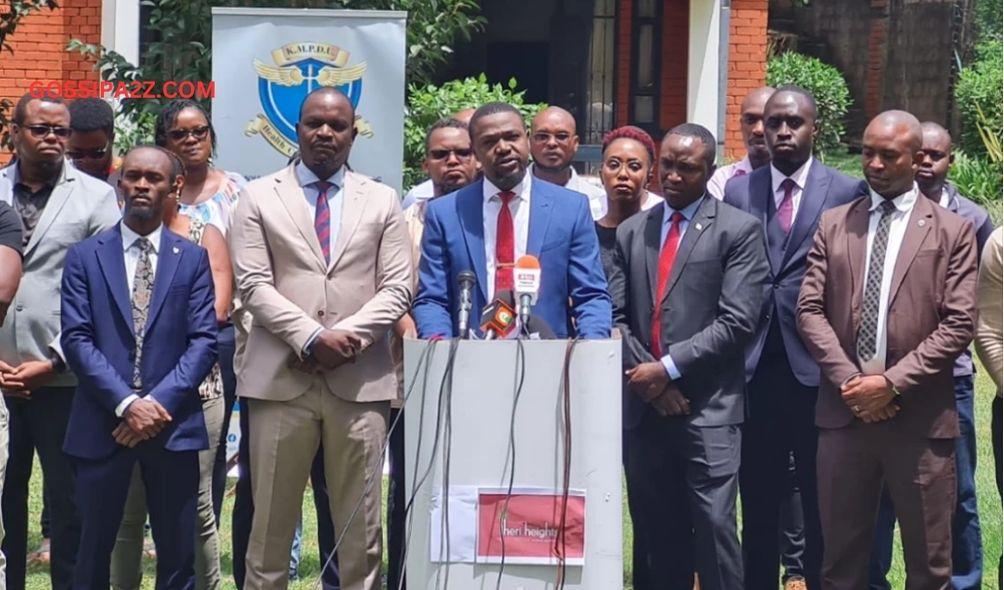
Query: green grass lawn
{"x": 989, "y": 507}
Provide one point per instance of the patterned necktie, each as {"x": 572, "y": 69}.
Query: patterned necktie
{"x": 142, "y": 289}
{"x": 867, "y": 331}
{"x": 505, "y": 244}
{"x": 666, "y": 258}
{"x": 322, "y": 219}
{"x": 786, "y": 209}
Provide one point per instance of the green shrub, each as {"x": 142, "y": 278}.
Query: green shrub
{"x": 427, "y": 104}
{"x": 980, "y": 179}
{"x": 980, "y": 88}
{"x": 827, "y": 86}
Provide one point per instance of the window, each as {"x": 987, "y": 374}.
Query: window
{"x": 646, "y": 35}
{"x": 600, "y": 86}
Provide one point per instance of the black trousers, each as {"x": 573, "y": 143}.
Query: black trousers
{"x": 171, "y": 480}
{"x": 225, "y": 347}
{"x": 682, "y": 484}
{"x": 781, "y": 424}
{"x": 243, "y": 513}
{"x": 396, "y": 499}
{"x": 39, "y": 424}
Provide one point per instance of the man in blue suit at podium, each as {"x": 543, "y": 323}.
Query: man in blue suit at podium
{"x": 485, "y": 227}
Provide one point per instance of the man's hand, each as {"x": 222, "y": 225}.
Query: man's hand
{"x": 6, "y": 375}
{"x": 126, "y": 436}
{"x": 308, "y": 365}
{"x": 881, "y": 415}
{"x": 648, "y": 380}
{"x": 671, "y": 402}
{"x": 146, "y": 417}
{"x": 333, "y": 348}
{"x": 405, "y": 327}
{"x": 867, "y": 394}
{"x": 28, "y": 376}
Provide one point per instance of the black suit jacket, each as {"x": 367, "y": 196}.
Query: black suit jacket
{"x": 709, "y": 311}
{"x": 825, "y": 188}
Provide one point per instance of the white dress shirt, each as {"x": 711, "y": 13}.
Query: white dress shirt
{"x": 897, "y": 229}
{"x": 801, "y": 176}
{"x": 307, "y": 178}
{"x": 520, "y": 208}
{"x": 131, "y": 253}
{"x": 422, "y": 191}
{"x": 723, "y": 174}
{"x": 667, "y": 217}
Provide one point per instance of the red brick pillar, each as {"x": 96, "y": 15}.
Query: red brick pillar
{"x": 623, "y": 61}
{"x": 747, "y": 65}
{"x": 878, "y": 33}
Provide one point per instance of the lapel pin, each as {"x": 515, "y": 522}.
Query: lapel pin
{"x": 921, "y": 223}
{"x": 175, "y": 250}
{"x": 699, "y": 226}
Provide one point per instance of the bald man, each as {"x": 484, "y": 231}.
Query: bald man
{"x": 887, "y": 305}
{"x": 757, "y": 154}
{"x": 967, "y": 546}
{"x": 425, "y": 190}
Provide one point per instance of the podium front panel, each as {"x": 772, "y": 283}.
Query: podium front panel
{"x": 475, "y": 433}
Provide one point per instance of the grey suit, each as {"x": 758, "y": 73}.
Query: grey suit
{"x": 78, "y": 207}
{"x": 682, "y": 471}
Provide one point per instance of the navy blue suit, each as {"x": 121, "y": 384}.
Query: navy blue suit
{"x": 179, "y": 350}
{"x": 561, "y": 235}
{"x": 783, "y": 377}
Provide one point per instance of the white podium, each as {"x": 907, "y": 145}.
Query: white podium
{"x": 473, "y": 419}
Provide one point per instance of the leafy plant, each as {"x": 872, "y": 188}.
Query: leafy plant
{"x": 980, "y": 98}
{"x": 980, "y": 179}
{"x": 428, "y": 103}
{"x": 827, "y": 86}
{"x": 9, "y": 21}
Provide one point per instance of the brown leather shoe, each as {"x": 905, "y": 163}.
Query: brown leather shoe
{"x": 795, "y": 584}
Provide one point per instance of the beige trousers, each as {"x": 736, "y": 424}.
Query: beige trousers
{"x": 284, "y": 437}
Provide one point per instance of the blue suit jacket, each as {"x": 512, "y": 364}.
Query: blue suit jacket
{"x": 825, "y": 188}
{"x": 561, "y": 235}
{"x": 99, "y": 342}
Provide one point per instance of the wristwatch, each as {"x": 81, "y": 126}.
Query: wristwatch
{"x": 58, "y": 366}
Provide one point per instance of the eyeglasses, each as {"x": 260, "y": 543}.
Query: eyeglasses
{"x": 461, "y": 154}
{"x": 95, "y": 154}
{"x": 182, "y": 134}
{"x": 546, "y": 137}
{"x": 41, "y": 131}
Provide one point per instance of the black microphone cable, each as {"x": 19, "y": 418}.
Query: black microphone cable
{"x": 566, "y": 396}
{"x": 424, "y": 360}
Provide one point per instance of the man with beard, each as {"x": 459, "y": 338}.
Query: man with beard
{"x": 887, "y": 304}
{"x": 322, "y": 263}
{"x": 451, "y": 165}
{"x": 92, "y": 140}
{"x": 757, "y": 154}
{"x": 139, "y": 330}
{"x": 58, "y": 206}
{"x": 967, "y": 547}
{"x": 426, "y": 190}
{"x": 787, "y": 196}
{"x": 486, "y": 226}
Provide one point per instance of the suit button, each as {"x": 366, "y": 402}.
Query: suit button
{"x": 776, "y": 286}
{"x": 320, "y": 313}
{"x": 19, "y": 307}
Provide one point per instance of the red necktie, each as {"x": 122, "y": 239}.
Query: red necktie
{"x": 505, "y": 245}
{"x": 739, "y": 172}
{"x": 666, "y": 258}
{"x": 322, "y": 219}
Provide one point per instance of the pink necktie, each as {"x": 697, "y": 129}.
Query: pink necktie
{"x": 787, "y": 206}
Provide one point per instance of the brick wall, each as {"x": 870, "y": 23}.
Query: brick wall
{"x": 747, "y": 65}
{"x": 39, "y": 48}
{"x": 673, "y": 69}
{"x": 623, "y": 64}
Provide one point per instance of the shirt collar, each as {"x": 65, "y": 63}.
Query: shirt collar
{"x": 15, "y": 178}
{"x": 129, "y": 237}
{"x": 522, "y": 189}
{"x": 688, "y": 212}
{"x": 743, "y": 165}
{"x": 306, "y": 177}
{"x": 904, "y": 202}
{"x": 800, "y": 176}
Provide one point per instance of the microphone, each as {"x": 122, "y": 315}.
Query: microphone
{"x": 498, "y": 318}
{"x": 526, "y": 280}
{"x": 466, "y": 281}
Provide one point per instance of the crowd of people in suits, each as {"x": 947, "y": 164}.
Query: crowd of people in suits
{"x": 791, "y": 336}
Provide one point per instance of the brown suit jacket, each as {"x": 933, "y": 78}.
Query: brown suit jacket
{"x": 283, "y": 282}
{"x": 931, "y": 318}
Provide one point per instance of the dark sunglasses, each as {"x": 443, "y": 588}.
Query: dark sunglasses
{"x": 181, "y": 134}
{"x": 41, "y": 131}
{"x": 462, "y": 154}
{"x": 95, "y": 154}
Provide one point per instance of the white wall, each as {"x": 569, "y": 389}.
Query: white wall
{"x": 120, "y": 27}
{"x": 702, "y": 64}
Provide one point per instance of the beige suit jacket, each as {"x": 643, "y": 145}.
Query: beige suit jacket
{"x": 282, "y": 280}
